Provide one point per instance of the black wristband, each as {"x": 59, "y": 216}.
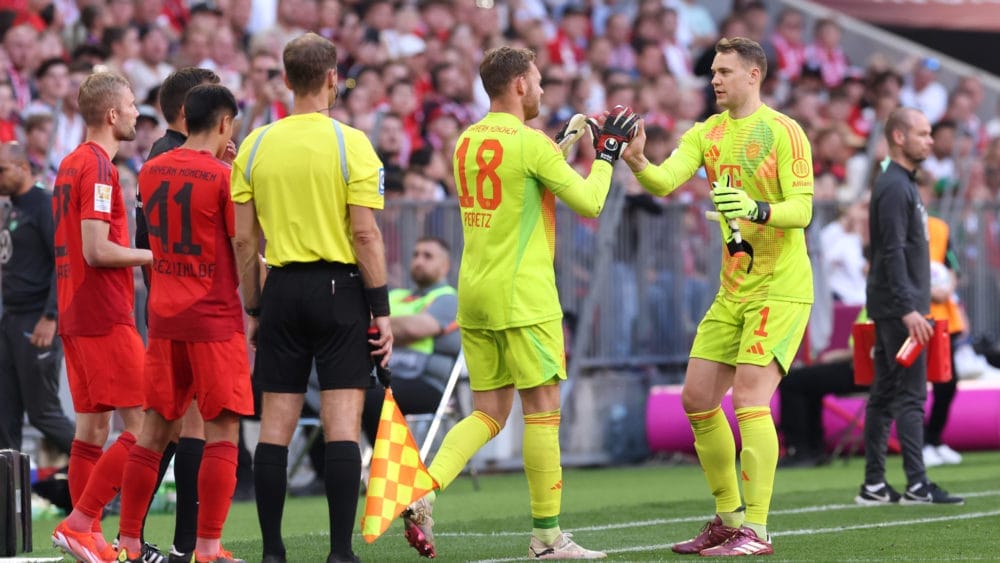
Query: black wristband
{"x": 763, "y": 212}
{"x": 378, "y": 300}
{"x": 252, "y": 311}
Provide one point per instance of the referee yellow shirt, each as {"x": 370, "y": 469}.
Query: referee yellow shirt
{"x": 301, "y": 173}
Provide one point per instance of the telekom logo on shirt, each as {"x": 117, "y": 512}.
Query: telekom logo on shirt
{"x": 733, "y": 170}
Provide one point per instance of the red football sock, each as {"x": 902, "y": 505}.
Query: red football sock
{"x": 138, "y": 483}
{"x": 82, "y": 459}
{"x": 106, "y": 479}
{"x": 216, "y": 484}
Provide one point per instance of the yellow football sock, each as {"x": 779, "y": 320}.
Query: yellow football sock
{"x": 544, "y": 472}
{"x": 758, "y": 461}
{"x": 716, "y": 447}
{"x": 460, "y": 444}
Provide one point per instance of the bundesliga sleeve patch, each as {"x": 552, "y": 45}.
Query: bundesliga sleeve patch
{"x": 102, "y": 198}
{"x": 381, "y": 182}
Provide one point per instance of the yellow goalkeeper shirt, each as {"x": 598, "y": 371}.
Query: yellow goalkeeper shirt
{"x": 767, "y": 155}
{"x": 508, "y": 176}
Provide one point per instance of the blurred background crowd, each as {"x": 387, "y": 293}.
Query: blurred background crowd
{"x": 409, "y": 78}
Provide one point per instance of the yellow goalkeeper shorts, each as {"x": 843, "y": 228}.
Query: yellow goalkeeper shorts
{"x": 752, "y": 332}
{"x": 525, "y": 357}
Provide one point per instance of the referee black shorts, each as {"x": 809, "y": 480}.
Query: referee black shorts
{"x": 309, "y": 311}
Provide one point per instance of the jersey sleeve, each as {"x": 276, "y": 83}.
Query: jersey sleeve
{"x": 678, "y": 168}
{"x": 240, "y": 186}
{"x": 365, "y": 173}
{"x": 584, "y": 196}
{"x": 97, "y": 191}
{"x": 795, "y": 171}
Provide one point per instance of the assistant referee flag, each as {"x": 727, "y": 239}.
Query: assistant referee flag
{"x": 398, "y": 476}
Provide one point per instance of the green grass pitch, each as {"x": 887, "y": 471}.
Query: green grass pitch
{"x": 635, "y": 513}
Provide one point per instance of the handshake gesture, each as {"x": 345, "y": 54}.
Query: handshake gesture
{"x": 610, "y": 139}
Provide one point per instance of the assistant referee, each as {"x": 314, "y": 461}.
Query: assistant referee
{"x": 311, "y": 185}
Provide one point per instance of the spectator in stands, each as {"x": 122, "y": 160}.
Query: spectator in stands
{"x": 55, "y": 90}
{"x": 827, "y": 52}
{"x": 150, "y": 67}
{"x": 841, "y": 244}
{"x": 9, "y": 118}
{"x": 697, "y": 27}
{"x": 941, "y": 163}
{"x": 287, "y": 26}
{"x": 618, "y": 30}
{"x": 962, "y": 111}
{"x": 390, "y": 140}
{"x": 37, "y": 140}
{"x": 264, "y": 94}
{"x": 120, "y": 44}
{"x": 555, "y": 96}
{"x": 19, "y": 44}
{"x": 676, "y": 54}
{"x": 789, "y": 44}
{"x": 923, "y": 91}
{"x": 120, "y": 13}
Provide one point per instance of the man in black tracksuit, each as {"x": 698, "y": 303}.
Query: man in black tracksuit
{"x": 898, "y": 300}
{"x": 30, "y": 351}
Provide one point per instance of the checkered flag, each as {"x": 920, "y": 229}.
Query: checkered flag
{"x": 398, "y": 477}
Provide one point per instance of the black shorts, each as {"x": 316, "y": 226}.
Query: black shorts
{"x": 312, "y": 311}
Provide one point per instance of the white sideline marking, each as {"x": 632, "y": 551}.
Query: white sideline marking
{"x": 836, "y": 529}
{"x": 700, "y": 518}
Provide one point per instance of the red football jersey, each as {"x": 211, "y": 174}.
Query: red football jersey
{"x": 91, "y": 300}
{"x": 193, "y": 288}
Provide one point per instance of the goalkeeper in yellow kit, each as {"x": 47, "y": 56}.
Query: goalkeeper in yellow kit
{"x": 508, "y": 176}
{"x": 760, "y": 165}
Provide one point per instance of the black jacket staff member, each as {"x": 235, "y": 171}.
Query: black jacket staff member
{"x": 899, "y": 297}
{"x": 30, "y": 351}
{"x": 311, "y": 184}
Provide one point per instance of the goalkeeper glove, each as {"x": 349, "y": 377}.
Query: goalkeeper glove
{"x": 571, "y": 132}
{"x": 619, "y": 128}
{"x": 736, "y": 204}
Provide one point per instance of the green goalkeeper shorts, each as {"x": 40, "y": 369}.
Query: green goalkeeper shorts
{"x": 751, "y": 332}
{"x": 525, "y": 356}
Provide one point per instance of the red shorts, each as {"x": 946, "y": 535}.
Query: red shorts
{"x": 105, "y": 372}
{"x": 217, "y": 373}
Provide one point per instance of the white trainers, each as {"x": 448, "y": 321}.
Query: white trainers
{"x": 563, "y": 548}
{"x": 948, "y": 455}
{"x": 931, "y": 457}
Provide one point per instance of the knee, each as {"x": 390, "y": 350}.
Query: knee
{"x": 693, "y": 400}
{"x": 92, "y": 432}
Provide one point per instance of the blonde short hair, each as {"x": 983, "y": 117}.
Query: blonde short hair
{"x": 100, "y": 92}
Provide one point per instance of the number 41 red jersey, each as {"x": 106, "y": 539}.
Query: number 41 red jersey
{"x": 193, "y": 288}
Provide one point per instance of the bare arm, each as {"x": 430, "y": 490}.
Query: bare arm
{"x": 99, "y": 252}
{"x": 407, "y": 329}
{"x": 246, "y": 245}
{"x": 368, "y": 247}
{"x": 370, "y": 252}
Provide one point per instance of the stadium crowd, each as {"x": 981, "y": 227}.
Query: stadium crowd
{"x": 409, "y": 77}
